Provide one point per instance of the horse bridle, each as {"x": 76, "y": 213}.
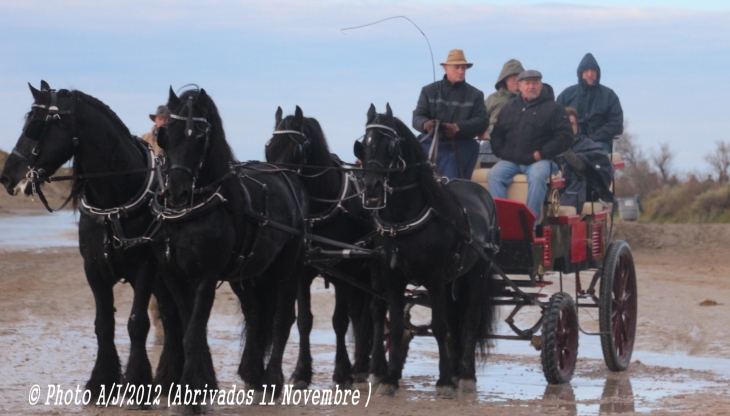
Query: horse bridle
{"x": 54, "y": 113}
{"x": 190, "y": 130}
{"x": 302, "y": 149}
{"x": 395, "y": 151}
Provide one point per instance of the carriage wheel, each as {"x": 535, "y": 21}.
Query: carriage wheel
{"x": 559, "y": 351}
{"x": 617, "y": 310}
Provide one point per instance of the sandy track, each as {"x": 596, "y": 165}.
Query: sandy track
{"x": 47, "y": 337}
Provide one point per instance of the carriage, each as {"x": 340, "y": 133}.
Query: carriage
{"x": 564, "y": 242}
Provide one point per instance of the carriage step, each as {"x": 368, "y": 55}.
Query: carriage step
{"x": 524, "y": 283}
{"x": 511, "y": 294}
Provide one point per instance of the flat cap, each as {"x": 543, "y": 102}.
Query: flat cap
{"x": 529, "y": 74}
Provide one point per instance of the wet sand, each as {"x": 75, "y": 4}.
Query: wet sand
{"x": 681, "y": 362}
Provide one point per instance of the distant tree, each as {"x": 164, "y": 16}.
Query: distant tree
{"x": 662, "y": 160}
{"x": 638, "y": 178}
{"x": 720, "y": 160}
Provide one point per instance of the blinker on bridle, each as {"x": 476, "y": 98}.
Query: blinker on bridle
{"x": 302, "y": 147}
{"x": 54, "y": 113}
{"x": 189, "y": 133}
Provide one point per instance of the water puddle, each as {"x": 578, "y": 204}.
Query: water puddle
{"x": 58, "y": 229}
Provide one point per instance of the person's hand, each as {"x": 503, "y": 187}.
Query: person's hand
{"x": 450, "y": 130}
{"x": 428, "y": 126}
{"x": 537, "y": 157}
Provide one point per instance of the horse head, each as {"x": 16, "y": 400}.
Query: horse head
{"x": 47, "y": 141}
{"x": 381, "y": 149}
{"x": 195, "y": 145}
{"x": 289, "y": 143}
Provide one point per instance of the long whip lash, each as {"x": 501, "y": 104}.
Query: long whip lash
{"x": 433, "y": 65}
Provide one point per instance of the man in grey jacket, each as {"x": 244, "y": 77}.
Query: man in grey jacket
{"x": 507, "y": 88}
{"x": 460, "y": 109}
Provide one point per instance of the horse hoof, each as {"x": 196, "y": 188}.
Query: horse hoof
{"x": 374, "y": 380}
{"x": 445, "y": 392}
{"x": 361, "y": 378}
{"x": 136, "y": 406}
{"x": 299, "y": 385}
{"x": 467, "y": 386}
{"x": 386, "y": 390}
{"x": 258, "y": 396}
{"x": 343, "y": 386}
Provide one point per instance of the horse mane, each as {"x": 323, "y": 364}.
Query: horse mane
{"x": 219, "y": 154}
{"x": 319, "y": 152}
{"x": 438, "y": 196}
{"x": 77, "y": 186}
{"x": 99, "y": 105}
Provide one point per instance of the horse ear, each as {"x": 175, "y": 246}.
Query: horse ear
{"x": 279, "y": 113}
{"x": 298, "y": 116}
{"x": 371, "y": 113}
{"x": 45, "y": 86}
{"x": 203, "y": 97}
{"x": 172, "y": 100}
{"x": 36, "y": 94}
{"x": 388, "y": 111}
{"x": 359, "y": 150}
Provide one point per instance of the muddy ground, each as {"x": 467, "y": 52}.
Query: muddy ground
{"x": 681, "y": 361}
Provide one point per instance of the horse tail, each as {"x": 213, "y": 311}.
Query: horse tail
{"x": 488, "y": 315}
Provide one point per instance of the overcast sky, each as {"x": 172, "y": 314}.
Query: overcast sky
{"x": 666, "y": 60}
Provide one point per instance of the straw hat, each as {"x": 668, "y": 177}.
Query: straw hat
{"x": 161, "y": 111}
{"x": 456, "y": 57}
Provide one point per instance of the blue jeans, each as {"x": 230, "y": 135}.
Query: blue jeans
{"x": 605, "y": 146}
{"x": 503, "y": 173}
{"x": 447, "y": 163}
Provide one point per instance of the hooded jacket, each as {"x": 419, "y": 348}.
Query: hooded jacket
{"x": 497, "y": 99}
{"x": 458, "y": 103}
{"x": 524, "y": 127}
{"x": 600, "y": 116}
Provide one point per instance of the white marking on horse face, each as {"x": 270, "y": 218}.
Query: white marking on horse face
{"x": 20, "y": 187}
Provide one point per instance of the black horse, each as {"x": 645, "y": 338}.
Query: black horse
{"x": 234, "y": 222}
{"x": 336, "y": 213}
{"x": 115, "y": 223}
{"x": 438, "y": 236}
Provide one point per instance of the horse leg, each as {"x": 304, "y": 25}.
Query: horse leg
{"x": 301, "y": 378}
{"x": 454, "y": 321}
{"x": 340, "y": 321}
{"x": 139, "y": 370}
{"x": 362, "y": 324}
{"x": 284, "y": 318}
{"x": 172, "y": 359}
{"x": 473, "y": 322}
{"x": 107, "y": 369}
{"x": 396, "y": 303}
{"x": 445, "y": 384}
{"x": 251, "y": 367}
{"x": 198, "y": 372}
{"x": 378, "y": 309}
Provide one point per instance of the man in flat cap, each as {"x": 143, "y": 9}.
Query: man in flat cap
{"x": 531, "y": 130}
{"x": 458, "y": 108}
{"x": 159, "y": 118}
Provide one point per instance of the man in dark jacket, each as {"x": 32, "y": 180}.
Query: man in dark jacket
{"x": 600, "y": 116}
{"x": 460, "y": 109}
{"x": 531, "y": 130}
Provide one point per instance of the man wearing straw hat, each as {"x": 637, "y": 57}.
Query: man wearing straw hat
{"x": 458, "y": 110}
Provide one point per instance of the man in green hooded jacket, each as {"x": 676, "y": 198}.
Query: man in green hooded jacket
{"x": 507, "y": 88}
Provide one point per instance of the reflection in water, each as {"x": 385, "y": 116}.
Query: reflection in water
{"x": 617, "y": 397}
